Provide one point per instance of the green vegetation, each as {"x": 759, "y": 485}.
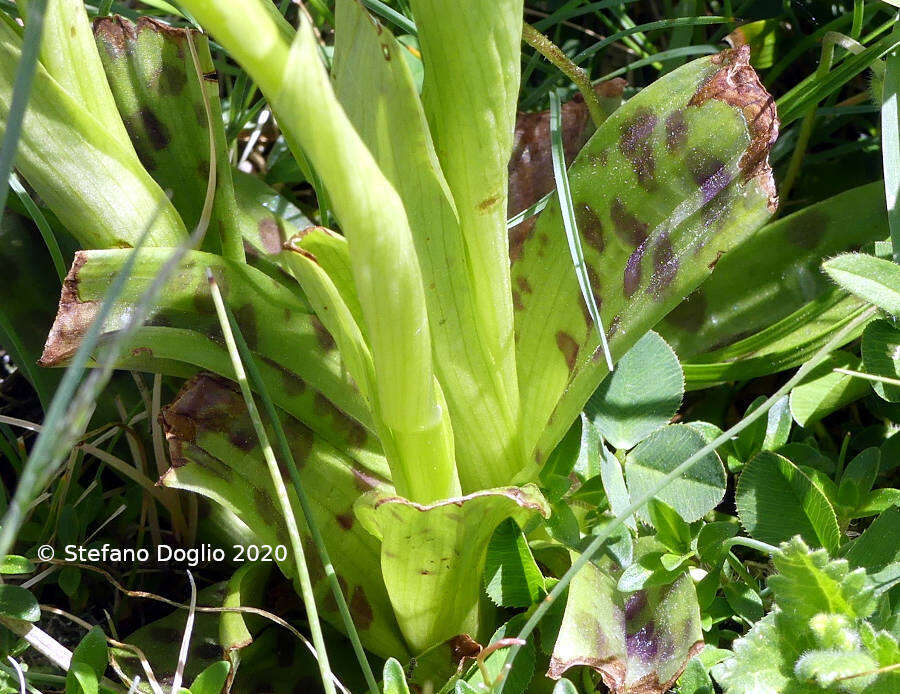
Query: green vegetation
{"x": 511, "y": 347}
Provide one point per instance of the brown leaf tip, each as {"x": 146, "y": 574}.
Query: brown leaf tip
{"x": 737, "y": 84}
{"x": 73, "y": 318}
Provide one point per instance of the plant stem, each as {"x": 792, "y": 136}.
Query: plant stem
{"x": 306, "y": 590}
{"x": 578, "y": 75}
{"x": 763, "y": 547}
{"x": 683, "y": 467}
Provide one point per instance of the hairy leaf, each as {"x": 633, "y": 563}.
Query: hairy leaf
{"x": 874, "y": 279}
{"x": 823, "y": 390}
{"x": 881, "y": 357}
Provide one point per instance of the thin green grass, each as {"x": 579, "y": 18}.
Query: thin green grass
{"x": 31, "y": 47}
{"x": 42, "y": 224}
{"x": 287, "y": 457}
{"x": 890, "y": 144}
{"x": 302, "y": 571}
{"x": 570, "y": 223}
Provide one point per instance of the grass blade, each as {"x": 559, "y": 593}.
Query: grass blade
{"x": 569, "y": 223}
{"x": 890, "y": 144}
{"x": 287, "y": 457}
{"x": 42, "y": 224}
{"x": 31, "y": 47}
{"x": 287, "y": 512}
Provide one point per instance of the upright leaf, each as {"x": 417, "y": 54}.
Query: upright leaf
{"x": 376, "y": 89}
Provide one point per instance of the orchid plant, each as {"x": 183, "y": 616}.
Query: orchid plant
{"x": 428, "y": 359}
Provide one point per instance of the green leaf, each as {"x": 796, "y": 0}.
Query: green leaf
{"x": 394, "y": 678}
{"x": 614, "y": 485}
{"x": 519, "y": 677}
{"x": 804, "y": 455}
{"x": 511, "y": 576}
{"x": 673, "y": 532}
{"x": 89, "y": 661}
{"x": 858, "y": 478}
{"x": 881, "y": 356}
{"x": 377, "y": 91}
{"x": 640, "y": 396}
{"x": 773, "y": 274}
{"x": 433, "y": 596}
{"x": 563, "y": 686}
{"x": 776, "y": 501}
{"x": 216, "y": 454}
{"x": 642, "y": 232}
{"x": 696, "y": 492}
{"x": 744, "y": 600}
{"x": 765, "y": 434}
{"x": 212, "y": 679}
{"x": 824, "y": 391}
{"x": 645, "y": 637}
{"x": 245, "y": 587}
{"x": 18, "y": 603}
{"x": 826, "y": 667}
{"x": 15, "y": 564}
{"x": 710, "y": 539}
{"x": 870, "y": 278}
{"x": 61, "y": 149}
{"x": 694, "y": 679}
{"x": 809, "y": 583}
{"x": 69, "y": 579}
{"x": 879, "y": 545}
{"x": 763, "y": 661}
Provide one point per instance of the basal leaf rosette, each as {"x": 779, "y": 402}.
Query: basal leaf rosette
{"x": 432, "y": 556}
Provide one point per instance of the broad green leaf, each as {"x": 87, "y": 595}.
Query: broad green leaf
{"x": 673, "y": 532}
{"x": 296, "y": 354}
{"x": 874, "y": 279}
{"x": 15, "y": 564}
{"x": 637, "y": 642}
{"x": 61, "y": 149}
{"x": 160, "y": 97}
{"x": 376, "y": 89}
{"x": 89, "y": 661}
{"x": 696, "y": 492}
{"x": 18, "y": 603}
{"x": 245, "y": 587}
{"x": 710, "y": 541}
{"x": 640, "y": 396}
{"x": 394, "y": 678}
{"x": 215, "y": 453}
{"x": 879, "y": 545}
{"x": 694, "y": 679}
{"x": 675, "y": 197}
{"x": 776, "y": 501}
{"x": 804, "y": 455}
{"x": 858, "y": 478}
{"x": 824, "y": 391}
{"x": 511, "y": 576}
{"x": 809, "y": 583}
{"x": 469, "y": 97}
{"x": 212, "y": 679}
{"x": 881, "y": 356}
{"x": 433, "y": 556}
{"x": 744, "y": 600}
{"x": 564, "y": 687}
{"x": 774, "y": 272}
